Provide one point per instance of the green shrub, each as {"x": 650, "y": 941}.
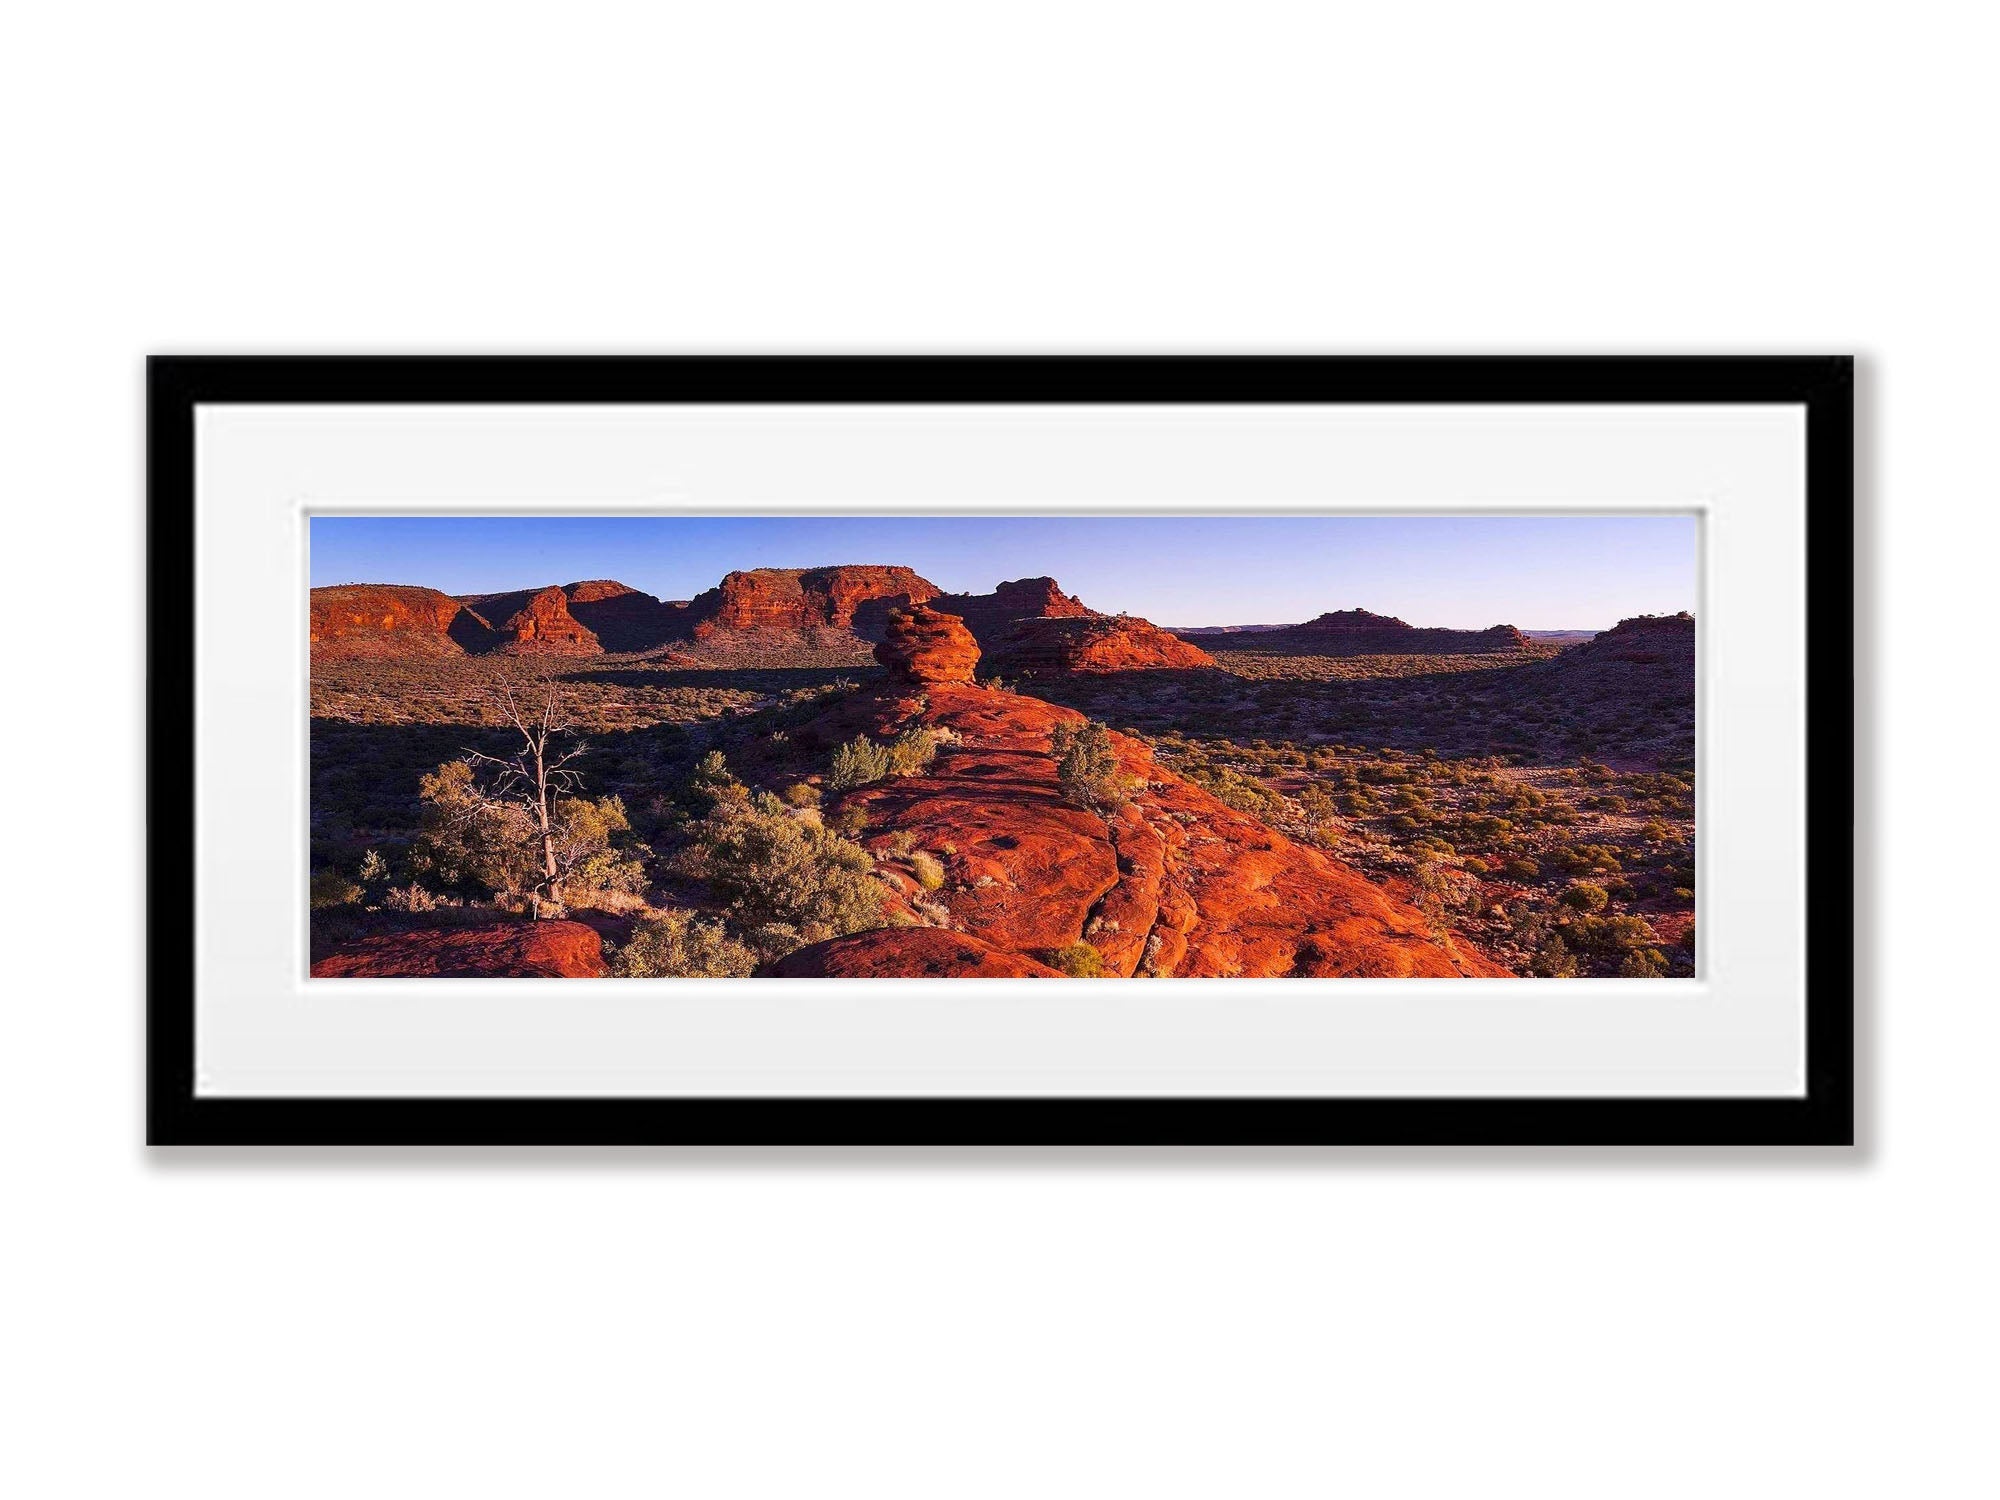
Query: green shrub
{"x": 1643, "y": 963}
{"x": 409, "y": 898}
{"x": 1078, "y": 960}
{"x": 929, "y": 873}
{"x": 857, "y": 763}
{"x": 712, "y": 780}
{"x": 678, "y": 945}
{"x": 802, "y": 794}
{"x": 330, "y": 888}
{"x": 374, "y": 872}
{"x": 786, "y": 881}
{"x": 1317, "y": 806}
{"x": 1554, "y": 961}
{"x": 1087, "y": 766}
{"x": 1583, "y": 896}
{"x": 469, "y": 843}
{"x": 912, "y": 751}
{"x": 593, "y": 848}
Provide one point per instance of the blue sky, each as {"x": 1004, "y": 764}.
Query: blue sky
{"x": 1537, "y": 572}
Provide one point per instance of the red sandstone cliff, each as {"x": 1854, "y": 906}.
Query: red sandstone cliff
{"x": 853, "y": 597}
{"x": 384, "y": 619}
{"x": 623, "y": 618}
{"x": 989, "y": 616}
{"x": 543, "y": 626}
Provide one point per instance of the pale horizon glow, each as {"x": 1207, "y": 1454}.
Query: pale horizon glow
{"x": 1461, "y": 572}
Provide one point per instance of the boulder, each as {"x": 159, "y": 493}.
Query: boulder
{"x": 921, "y": 644}
{"x": 503, "y": 950}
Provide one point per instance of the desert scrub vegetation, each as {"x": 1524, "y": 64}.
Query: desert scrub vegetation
{"x": 782, "y": 879}
{"x": 474, "y": 844}
{"x": 859, "y": 762}
{"x": 1462, "y": 837}
{"x": 675, "y": 944}
{"x": 1087, "y": 767}
{"x": 862, "y": 761}
{"x": 1078, "y": 960}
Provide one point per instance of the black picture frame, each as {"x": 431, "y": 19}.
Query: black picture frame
{"x": 1823, "y": 1115}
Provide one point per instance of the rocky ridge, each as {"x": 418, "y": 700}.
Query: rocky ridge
{"x": 1171, "y": 883}
{"x": 383, "y": 619}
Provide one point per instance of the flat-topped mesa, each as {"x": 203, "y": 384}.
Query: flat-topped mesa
{"x": 544, "y": 627}
{"x": 921, "y": 644}
{"x": 1681, "y": 624}
{"x": 1099, "y": 643}
{"x": 848, "y": 597}
{"x": 1362, "y": 632}
{"x": 988, "y": 616}
{"x": 384, "y": 619}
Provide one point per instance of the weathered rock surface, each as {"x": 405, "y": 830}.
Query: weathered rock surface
{"x": 504, "y": 950}
{"x": 625, "y": 619}
{"x": 849, "y": 597}
{"x": 1174, "y": 883}
{"x": 989, "y": 616}
{"x": 383, "y": 619}
{"x": 1098, "y": 643}
{"x": 907, "y": 953}
{"x": 921, "y": 644}
{"x": 543, "y": 626}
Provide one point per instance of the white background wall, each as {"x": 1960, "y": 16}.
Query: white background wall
{"x": 1528, "y": 177}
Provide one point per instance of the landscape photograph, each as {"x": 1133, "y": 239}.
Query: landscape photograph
{"x": 1118, "y": 747}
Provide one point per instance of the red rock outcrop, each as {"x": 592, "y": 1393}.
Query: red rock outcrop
{"x": 624, "y": 619}
{"x": 383, "y": 619}
{"x": 505, "y": 950}
{"x": 1648, "y": 656}
{"x": 849, "y": 597}
{"x": 544, "y": 627}
{"x": 1174, "y": 883}
{"x": 989, "y": 616}
{"x": 907, "y": 953}
{"x": 1098, "y": 643}
{"x": 921, "y": 644}
{"x": 1361, "y": 632}
{"x": 1355, "y": 619}
{"x": 596, "y": 590}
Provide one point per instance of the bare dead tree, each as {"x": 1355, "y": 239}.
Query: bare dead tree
{"x": 538, "y": 774}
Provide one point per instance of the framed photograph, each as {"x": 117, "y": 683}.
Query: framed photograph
{"x": 1031, "y": 751}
